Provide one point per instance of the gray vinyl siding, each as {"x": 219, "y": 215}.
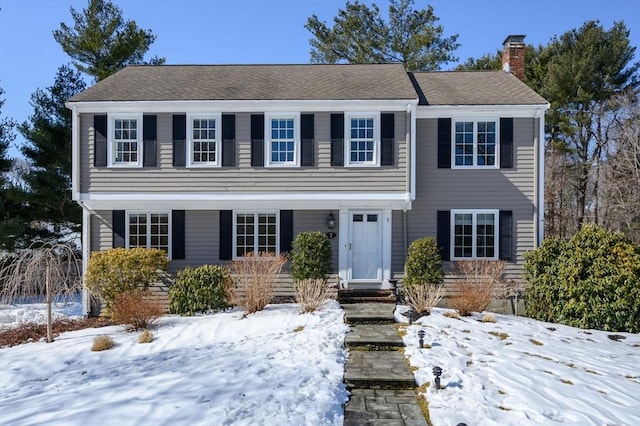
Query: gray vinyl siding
{"x": 243, "y": 177}
{"x": 501, "y": 189}
{"x": 202, "y": 235}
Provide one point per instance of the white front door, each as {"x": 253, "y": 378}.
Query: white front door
{"x": 365, "y": 235}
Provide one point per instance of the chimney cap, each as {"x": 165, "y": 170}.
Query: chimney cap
{"x": 514, "y": 39}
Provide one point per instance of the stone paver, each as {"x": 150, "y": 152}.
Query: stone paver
{"x": 376, "y": 373}
{"x": 383, "y": 407}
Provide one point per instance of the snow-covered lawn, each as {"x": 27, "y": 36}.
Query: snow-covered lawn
{"x": 519, "y": 371}
{"x": 278, "y": 367}
{"x": 275, "y": 367}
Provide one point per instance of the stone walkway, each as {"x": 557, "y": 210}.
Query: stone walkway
{"x": 376, "y": 373}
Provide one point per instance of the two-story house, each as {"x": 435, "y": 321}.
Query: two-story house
{"x": 211, "y": 162}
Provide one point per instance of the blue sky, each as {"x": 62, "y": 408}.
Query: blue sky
{"x": 270, "y": 31}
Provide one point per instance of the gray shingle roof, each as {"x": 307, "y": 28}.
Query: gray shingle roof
{"x": 253, "y": 82}
{"x": 474, "y": 88}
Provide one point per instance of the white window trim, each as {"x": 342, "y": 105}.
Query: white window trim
{"x": 218, "y": 140}
{"x": 111, "y": 146}
{"x": 296, "y": 136}
{"x": 255, "y": 213}
{"x": 148, "y": 213}
{"x": 475, "y": 121}
{"x": 474, "y": 213}
{"x": 376, "y": 139}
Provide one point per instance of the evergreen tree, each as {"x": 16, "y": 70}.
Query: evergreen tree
{"x": 101, "y": 42}
{"x": 361, "y": 35}
{"x": 11, "y": 224}
{"x": 48, "y": 150}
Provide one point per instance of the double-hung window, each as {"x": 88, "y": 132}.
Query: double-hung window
{"x": 475, "y": 143}
{"x": 255, "y": 232}
{"x": 125, "y": 140}
{"x": 283, "y": 140}
{"x": 475, "y": 234}
{"x": 204, "y": 146}
{"x": 363, "y": 139}
{"x": 149, "y": 230}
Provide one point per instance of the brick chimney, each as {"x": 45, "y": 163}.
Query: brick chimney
{"x": 513, "y": 55}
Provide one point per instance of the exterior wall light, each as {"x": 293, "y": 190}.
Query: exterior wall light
{"x": 331, "y": 221}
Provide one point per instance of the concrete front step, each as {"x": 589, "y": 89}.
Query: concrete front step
{"x": 352, "y": 300}
{"x": 377, "y": 370}
{"x": 366, "y": 296}
{"x": 373, "y": 337}
{"x": 383, "y": 407}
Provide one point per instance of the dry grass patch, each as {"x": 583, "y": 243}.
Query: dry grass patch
{"x": 145, "y": 337}
{"x": 488, "y": 317}
{"x": 536, "y": 342}
{"x": 298, "y": 329}
{"x": 102, "y": 343}
{"x": 501, "y": 336}
{"x": 451, "y": 314}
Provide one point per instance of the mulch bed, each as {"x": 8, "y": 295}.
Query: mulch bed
{"x": 32, "y": 332}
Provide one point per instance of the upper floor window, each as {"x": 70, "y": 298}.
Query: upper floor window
{"x": 125, "y": 140}
{"x": 475, "y": 143}
{"x": 474, "y": 234}
{"x": 255, "y": 232}
{"x": 362, "y": 142}
{"x": 148, "y": 230}
{"x": 283, "y": 141}
{"x": 204, "y": 140}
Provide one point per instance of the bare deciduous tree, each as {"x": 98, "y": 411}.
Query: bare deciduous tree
{"x": 43, "y": 269}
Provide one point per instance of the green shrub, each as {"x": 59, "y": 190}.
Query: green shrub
{"x": 199, "y": 290}
{"x": 423, "y": 265}
{"x": 112, "y": 272}
{"x": 590, "y": 281}
{"x": 311, "y": 256}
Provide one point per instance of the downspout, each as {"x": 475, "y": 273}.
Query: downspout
{"x": 86, "y": 246}
{"x": 540, "y": 234}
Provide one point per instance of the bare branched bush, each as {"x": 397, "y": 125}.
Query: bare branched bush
{"x": 44, "y": 269}
{"x": 422, "y": 297}
{"x": 102, "y": 343}
{"x": 136, "y": 309}
{"x": 311, "y": 293}
{"x": 480, "y": 283}
{"x": 255, "y": 278}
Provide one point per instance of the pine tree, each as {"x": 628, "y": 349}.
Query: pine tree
{"x": 361, "y": 35}
{"x": 48, "y": 150}
{"x": 101, "y": 42}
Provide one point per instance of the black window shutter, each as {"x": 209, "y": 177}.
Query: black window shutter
{"x": 387, "y": 133}
{"x": 257, "y": 140}
{"x": 306, "y": 139}
{"x": 443, "y": 235}
{"x": 286, "y": 230}
{"x": 506, "y": 143}
{"x": 100, "y": 140}
{"x": 444, "y": 143}
{"x": 506, "y": 235}
{"x": 179, "y": 140}
{"x": 337, "y": 139}
{"x": 226, "y": 234}
{"x": 228, "y": 140}
{"x": 177, "y": 234}
{"x": 118, "y": 225}
{"x": 149, "y": 138}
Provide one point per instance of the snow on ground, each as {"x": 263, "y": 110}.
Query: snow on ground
{"x": 275, "y": 367}
{"x": 519, "y": 371}
{"x": 12, "y": 315}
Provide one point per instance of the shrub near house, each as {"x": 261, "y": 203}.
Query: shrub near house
{"x": 590, "y": 281}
